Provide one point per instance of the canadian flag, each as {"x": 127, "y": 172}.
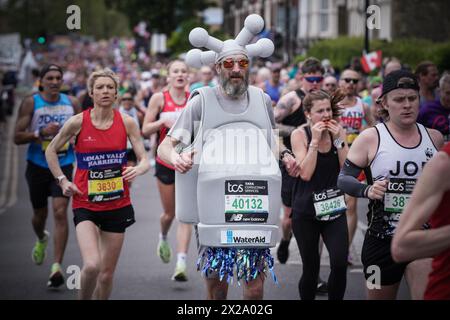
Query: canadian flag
{"x": 371, "y": 61}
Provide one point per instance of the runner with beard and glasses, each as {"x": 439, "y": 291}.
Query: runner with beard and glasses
{"x": 232, "y": 101}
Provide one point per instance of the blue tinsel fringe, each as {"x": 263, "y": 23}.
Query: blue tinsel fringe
{"x": 247, "y": 264}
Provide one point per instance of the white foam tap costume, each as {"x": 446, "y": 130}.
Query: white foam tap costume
{"x": 233, "y": 190}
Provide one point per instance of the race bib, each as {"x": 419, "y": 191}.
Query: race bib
{"x": 105, "y": 184}
{"x": 246, "y": 201}
{"x": 328, "y": 203}
{"x": 398, "y": 193}
{"x": 61, "y": 152}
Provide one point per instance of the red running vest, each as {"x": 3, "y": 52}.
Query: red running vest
{"x": 101, "y": 157}
{"x": 438, "y": 287}
{"x": 170, "y": 110}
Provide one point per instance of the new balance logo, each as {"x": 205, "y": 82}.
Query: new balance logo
{"x": 97, "y": 198}
{"x": 236, "y": 217}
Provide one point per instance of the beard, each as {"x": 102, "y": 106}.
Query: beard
{"x": 231, "y": 89}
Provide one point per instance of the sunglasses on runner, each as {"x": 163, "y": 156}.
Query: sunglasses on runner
{"x": 314, "y": 79}
{"x": 348, "y": 80}
{"x": 229, "y": 63}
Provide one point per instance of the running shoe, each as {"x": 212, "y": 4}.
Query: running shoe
{"x": 56, "y": 278}
{"x": 180, "y": 273}
{"x": 164, "y": 251}
{"x": 39, "y": 250}
{"x": 322, "y": 287}
{"x": 283, "y": 251}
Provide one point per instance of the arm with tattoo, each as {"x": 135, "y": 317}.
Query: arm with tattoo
{"x": 285, "y": 106}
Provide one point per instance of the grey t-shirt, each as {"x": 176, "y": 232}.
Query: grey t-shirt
{"x": 186, "y": 127}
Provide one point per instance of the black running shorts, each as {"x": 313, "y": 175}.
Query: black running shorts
{"x": 164, "y": 174}
{"x": 42, "y": 184}
{"x": 377, "y": 252}
{"x": 110, "y": 221}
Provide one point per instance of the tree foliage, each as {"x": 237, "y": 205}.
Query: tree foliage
{"x": 340, "y": 51}
{"x": 179, "y": 39}
{"x": 161, "y": 16}
{"x": 32, "y": 18}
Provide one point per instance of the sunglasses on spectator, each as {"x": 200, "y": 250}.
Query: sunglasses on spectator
{"x": 127, "y": 99}
{"x": 348, "y": 80}
{"x": 314, "y": 79}
{"x": 229, "y": 63}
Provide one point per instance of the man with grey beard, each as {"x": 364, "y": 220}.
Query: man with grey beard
{"x": 232, "y": 96}
{"x": 233, "y": 73}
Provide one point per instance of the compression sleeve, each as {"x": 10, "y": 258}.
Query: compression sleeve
{"x": 348, "y": 182}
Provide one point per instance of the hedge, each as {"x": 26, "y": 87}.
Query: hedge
{"x": 340, "y": 51}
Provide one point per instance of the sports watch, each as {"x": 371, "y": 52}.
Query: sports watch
{"x": 338, "y": 143}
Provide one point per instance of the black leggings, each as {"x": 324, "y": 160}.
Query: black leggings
{"x": 335, "y": 236}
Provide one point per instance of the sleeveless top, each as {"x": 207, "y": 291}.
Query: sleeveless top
{"x": 101, "y": 157}
{"x": 402, "y": 166}
{"x": 351, "y": 119}
{"x": 295, "y": 119}
{"x": 439, "y": 278}
{"x": 324, "y": 177}
{"x": 44, "y": 113}
{"x": 170, "y": 110}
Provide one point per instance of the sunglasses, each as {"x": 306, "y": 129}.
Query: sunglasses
{"x": 229, "y": 63}
{"x": 127, "y": 99}
{"x": 314, "y": 79}
{"x": 348, "y": 80}
{"x": 330, "y": 84}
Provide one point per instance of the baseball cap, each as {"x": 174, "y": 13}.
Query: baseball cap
{"x": 399, "y": 79}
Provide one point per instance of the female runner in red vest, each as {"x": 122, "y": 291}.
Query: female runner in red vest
{"x": 162, "y": 112}
{"x": 101, "y": 200}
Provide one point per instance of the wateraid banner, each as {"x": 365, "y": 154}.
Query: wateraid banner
{"x": 10, "y": 50}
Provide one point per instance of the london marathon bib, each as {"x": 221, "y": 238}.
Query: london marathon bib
{"x": 328, "y": 203}
{"x": 105, "y": 184}
{"x": 246, "y": 201}
{"x": 397, "y": 194}
{"x": 61, "y": 152}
